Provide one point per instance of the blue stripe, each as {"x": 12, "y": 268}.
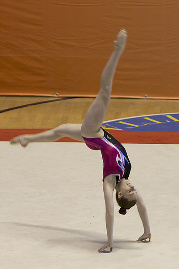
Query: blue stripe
{"x": 160, "y": 123}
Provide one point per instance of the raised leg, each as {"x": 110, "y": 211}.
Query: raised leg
{"x": 96, "y": 113}
{"x": 65, "y": 130}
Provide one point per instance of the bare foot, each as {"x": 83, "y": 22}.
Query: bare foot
{"x": 23, "y": 140}
{"x": 121, "y": 39}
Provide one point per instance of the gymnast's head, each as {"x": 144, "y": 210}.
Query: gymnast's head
{"x": 126, "y": 195}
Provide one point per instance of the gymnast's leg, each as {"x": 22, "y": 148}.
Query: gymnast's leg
{"x": 96, "y": 113}
{"x": 65, "y": 130}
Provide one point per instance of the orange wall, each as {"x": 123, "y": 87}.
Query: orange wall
{"x": 62, "y": 46}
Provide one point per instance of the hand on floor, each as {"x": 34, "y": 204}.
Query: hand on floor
{"x": 145, "y": 238}
{"x": 107, "y": 248}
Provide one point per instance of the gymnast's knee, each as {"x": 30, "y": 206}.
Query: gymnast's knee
{"x": 105, "y": 96}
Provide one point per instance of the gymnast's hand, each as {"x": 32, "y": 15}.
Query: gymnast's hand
{"x": 107, "y": 248}
{"x": 145, "y": 238}
{"x": 22, "y": 139}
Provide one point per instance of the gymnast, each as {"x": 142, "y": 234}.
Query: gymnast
{"x": 116, "y": 164}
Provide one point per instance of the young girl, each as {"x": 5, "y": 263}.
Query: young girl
{"x": 115, "y": 160}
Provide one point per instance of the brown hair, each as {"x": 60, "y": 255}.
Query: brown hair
{"x": 124, "y": 203}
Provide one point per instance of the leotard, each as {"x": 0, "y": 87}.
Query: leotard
{"x": 114, "y": 155}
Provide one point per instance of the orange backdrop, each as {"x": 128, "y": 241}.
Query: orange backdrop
{"x": 50, "y": 46}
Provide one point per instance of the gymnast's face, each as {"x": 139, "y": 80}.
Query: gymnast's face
{"x": 127, "y": 190}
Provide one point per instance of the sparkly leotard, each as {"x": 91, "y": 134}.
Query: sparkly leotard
{"x": 115, "y": 159}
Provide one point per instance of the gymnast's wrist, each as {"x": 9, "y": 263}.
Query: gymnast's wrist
{"x": 147, "y": 231}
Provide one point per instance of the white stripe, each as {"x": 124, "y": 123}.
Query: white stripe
{"x": 121, "y": 155}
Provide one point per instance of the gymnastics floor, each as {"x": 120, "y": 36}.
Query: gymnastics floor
{"x": 53, "y": 215}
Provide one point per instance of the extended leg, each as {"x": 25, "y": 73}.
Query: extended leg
{"x": 96, "y": 113}
{"x": 65, "y": 130}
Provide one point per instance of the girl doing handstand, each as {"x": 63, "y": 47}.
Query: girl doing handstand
{"x": 115, "y": 160}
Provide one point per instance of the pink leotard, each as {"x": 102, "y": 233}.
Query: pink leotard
{"x": 115, "y": 159}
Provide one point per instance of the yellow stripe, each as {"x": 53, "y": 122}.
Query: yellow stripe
{"x": 172, "y": 118}
{"x": 128, "y": 124}
{"x": 110, "y": 128}
{"x": 152, "y": 120}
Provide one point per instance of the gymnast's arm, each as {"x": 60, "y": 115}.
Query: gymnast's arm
{"x": 108, "y": 188}
{"x": 65, "y": 130}
{"x": 144, "y": 217}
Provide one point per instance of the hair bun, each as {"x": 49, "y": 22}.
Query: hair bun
{"x": 122, "y": 211}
